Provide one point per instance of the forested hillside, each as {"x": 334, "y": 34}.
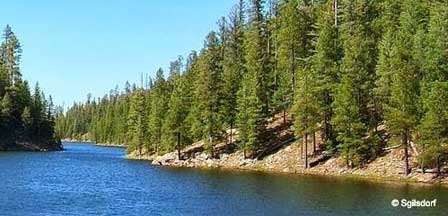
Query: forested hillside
{"x": 363, "y": 75}
{"x": 27, "y": 119}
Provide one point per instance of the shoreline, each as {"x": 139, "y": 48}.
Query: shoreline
{"x": 369, "y": 179}
{"x": 94, "y": 143}
{"x": 384, "y": 169}
{"x": 31, "y": 147}
{"x": 110, "y": 145}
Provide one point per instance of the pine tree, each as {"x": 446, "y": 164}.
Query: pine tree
{"x": 250, "y": 120}
{"x": 305, "y": 110}
{"x": 37, "y": 110}
{"x": 289, "y": 37}
{"x": 256, "y": 58}
{"x": 295, "y": 22}
{"x": 433, "y": 128}
{"x": 175, "y": 133}
{"x": 390, "y": 22}
{"x": 27, "y": 121}
{"x": 137, "y": 121}
{"x": 10, "y": 55}
{"x": 209, "y": 92}
{"x": 158, "y": 108}
{"x": 326, "y": 60}
{"x": 253, "y": 96}
{"x": 402, "y": 111}
{"x": 233, "y": 66}
{"x": 271, "y": 26}
{"x": 353, "y": 101}
{"x": 348, "y": 124}
{"x": 193, "y": 119}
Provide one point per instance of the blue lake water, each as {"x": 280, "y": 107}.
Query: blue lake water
{"x": 91, "y": 180}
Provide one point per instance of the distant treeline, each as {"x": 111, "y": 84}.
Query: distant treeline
{"x": 26, "y": 118}
{"x": 361, "y": 73}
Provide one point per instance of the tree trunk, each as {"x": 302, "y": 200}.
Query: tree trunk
{"x": 327, "y": 118}
{"x": 301, "y": 149}
{"x": 211, "y": 147}
{"x": 404, "y": 142}
{"x": 178, "y": 146}
{"x": 306, "y": 150}
{"x": 423, "y": 162}
{"x": 231, "y": 132}
{"x": 438, "y": 166}
{"x": 244, "y": 150}
{"x": 314, "y": 142}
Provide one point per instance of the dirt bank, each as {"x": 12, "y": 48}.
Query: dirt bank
{"x": 287, "y": 160}
{"x": 284, "y": 157}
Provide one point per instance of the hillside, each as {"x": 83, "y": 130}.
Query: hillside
{"x": 287, "y": 159}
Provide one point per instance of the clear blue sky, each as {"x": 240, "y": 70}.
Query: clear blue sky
{"x": 75, "y": 47}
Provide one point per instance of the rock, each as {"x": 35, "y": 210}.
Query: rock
{"x": 242, "y": 163}
{"x": 203, "y": 156}
{"x": 427, "y": 177}
{"x": 165, "y": 159}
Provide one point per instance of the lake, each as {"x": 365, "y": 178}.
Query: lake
{"x": 90, "y": 180}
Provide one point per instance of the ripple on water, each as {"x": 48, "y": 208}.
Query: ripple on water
{"x": 91, "y": 180}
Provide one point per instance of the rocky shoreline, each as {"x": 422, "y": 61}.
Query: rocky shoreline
{"x": 287, "y": 160}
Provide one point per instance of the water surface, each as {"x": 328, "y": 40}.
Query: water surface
{"x": 92, "y": 180}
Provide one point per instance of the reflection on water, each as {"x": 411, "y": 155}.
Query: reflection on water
{"x": 92, "y": 180}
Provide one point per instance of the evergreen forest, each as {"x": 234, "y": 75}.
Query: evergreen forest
{"x": 362, "y": 75}
{"x": 27, "y": 118}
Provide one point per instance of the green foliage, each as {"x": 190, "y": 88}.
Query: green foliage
{"x": 326, "y": 60}
{"x": 289, "y": 36}
{"x": 24, "y": 119}
{"x": 158, "y": 108}
{"x": 256, "y": 57}
{"x": 209, "y": 91}
{"x": 137, "y": 120}
{"x": 250, "y": 121}
{"x": 353, "y": 105}
{"x": 434, "y": 125}
{"x": 433, "y": 128}
{"x": 403, "y": 107}
{"x": 348, "y": 124}
{"x": 306, "y": 110}
{"x": 175, "y": 125}
{"x": 355, "y": 73}
{"x": 233, "y": 64}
